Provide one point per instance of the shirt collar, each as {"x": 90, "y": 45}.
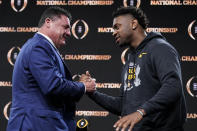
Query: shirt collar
{"x": 49, "y": 39}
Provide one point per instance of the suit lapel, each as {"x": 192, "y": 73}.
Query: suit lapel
{"x": 64, "y": 69}
{"x": 61, "y": 63}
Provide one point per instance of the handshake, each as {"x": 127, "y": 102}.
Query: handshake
{"x": 89, "y": 82}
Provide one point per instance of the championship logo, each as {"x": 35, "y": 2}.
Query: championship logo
{"x": 18, "y": 5}
{"x": 80, "y": 29}
{"x": 6, "y": 110}
{"x": 82, "y": 123}
{"x": 192, "y": 30}
{"x": 192, "y": 86}
{"x": 12, "y": 54}
{"x": 135, "y": 3}
{"x": 123, "y": 55}
{"x": 76, "y": 77}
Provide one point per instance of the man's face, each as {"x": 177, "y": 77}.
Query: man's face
{"x": 122, "y": 30}
{"x": 60, "y": 30}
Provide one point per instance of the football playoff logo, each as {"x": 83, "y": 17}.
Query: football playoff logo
{"x": 192, "y": 30}
{"x": 82, "y": 123}
{"x": 18, "y": 5}
{"x": 191, "y": 86}
{"x": 135, "y": 3}
{"x": 12, "y": 54}
{"x": 6, "y": 110}
{"x": 123, "y": 55}
{"x": 76, "y": 77}
{"x": 80, "y": 29}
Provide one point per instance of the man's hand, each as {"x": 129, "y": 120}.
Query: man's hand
{"x": 85, "y": 77}
{"x": 89, "y": 82}
{"x": 128, "y": 121}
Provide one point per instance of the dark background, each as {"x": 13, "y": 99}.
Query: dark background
{"x": 95, "y": 43}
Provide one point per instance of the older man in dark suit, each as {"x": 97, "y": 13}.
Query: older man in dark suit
{"x": 43, "y": 92}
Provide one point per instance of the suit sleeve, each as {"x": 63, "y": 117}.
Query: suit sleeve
{"x": 48, "y": 76}
{"x": 165, "y": 61}
{"x": 110, "y": 103}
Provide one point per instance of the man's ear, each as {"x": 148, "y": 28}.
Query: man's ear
{"x": 134, "y": 24}
{"x": 48, "y": 22}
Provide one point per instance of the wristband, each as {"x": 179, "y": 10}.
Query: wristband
{"x": 140, "y": 112}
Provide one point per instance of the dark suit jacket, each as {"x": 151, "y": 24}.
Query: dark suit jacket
{"x": 43, "y": 93}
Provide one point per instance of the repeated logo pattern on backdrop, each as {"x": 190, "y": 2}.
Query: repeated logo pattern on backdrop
{"x": 92, "y": 47}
